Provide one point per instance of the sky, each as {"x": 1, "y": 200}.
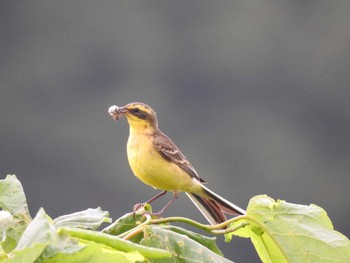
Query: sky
{"x": 254, "y": 93}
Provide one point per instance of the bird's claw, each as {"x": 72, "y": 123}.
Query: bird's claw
{"x": 137, "y": 209}
{"x": 145, "y": 209}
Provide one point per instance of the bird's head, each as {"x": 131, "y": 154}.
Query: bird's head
{"x": 137, "y": 113}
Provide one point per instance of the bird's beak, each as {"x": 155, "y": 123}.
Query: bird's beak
{"x": 117, "y": 112}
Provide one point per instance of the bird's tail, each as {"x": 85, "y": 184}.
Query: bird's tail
{"x": 214, "y": 206}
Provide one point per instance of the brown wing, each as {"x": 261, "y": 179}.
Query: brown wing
{"x": 170, "y": 152}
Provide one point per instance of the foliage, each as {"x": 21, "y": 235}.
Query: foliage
{"x": 285, "y": 232}
{"x": 280, "y": 232}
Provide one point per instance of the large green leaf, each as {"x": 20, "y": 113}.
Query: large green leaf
{"x": 11, "y": 229}
{"x": 209, "y": 242}
{"x": 26, "y": 255}
{"x": 13, "y": 199}
{"x": 15, "y": 216}
{"x": 40, "y": 239}
{"x": 40, "y": 230}
{"x": 89, "y": 218}
{"x": 34, "y": 240}
{"x": 117, "y": 243}
{"x": 285, "y": 232}
{"x": 123, "y": 224}
{"x": 95, "y": 253}
{"x": 183, "y": 248}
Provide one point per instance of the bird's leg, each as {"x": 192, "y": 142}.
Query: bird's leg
{"x": 156, "y": 197}
{"x": 138, "y": 206}
{"x": 160, "y": 213}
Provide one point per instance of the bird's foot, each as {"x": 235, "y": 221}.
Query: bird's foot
{"x": 141, "y": 209}
{"x": 138, "y": 207}
{"x": 146, "y": 209}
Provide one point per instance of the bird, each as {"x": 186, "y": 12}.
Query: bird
{"x": 158, "y": 162}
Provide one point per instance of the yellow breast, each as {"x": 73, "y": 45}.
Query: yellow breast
{"x": 152, "y": 169}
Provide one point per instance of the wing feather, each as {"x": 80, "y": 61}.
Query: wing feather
{"x": 170, "y": 152}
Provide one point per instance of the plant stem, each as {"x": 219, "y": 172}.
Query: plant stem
{"x": 136, "y": 230}
{"x": 116, "y": 242}
{"x": 214, "y": 229}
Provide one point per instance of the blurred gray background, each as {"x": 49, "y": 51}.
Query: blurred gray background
{"x": 255, "y": 93}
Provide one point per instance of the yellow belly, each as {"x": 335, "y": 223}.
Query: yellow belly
{"x": 152, "y": 169}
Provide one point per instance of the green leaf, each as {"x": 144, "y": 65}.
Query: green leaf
{"x": 124, "y": 224}
{"x": 8, "y": 235}
{"x": 26, "y": 255}
{"x": 116, "y": 243}
{"x": 15, "y": 215}
{"x": 61, "y": 244}
{"x": 128, "y": 221}
{"x": 183, "y": 248}
{"x": 40, "y": 230}
{"x": 12, "y": 198}
{"x": 93, "y": 253}
{"x": 89, "y": 219}
{"x": 209, "y": 242}
{"x": 34, "y": 240}
{"x": 3, "y": 255}
{"x": 285, "y": 232}
{"x": 40, "y": 239}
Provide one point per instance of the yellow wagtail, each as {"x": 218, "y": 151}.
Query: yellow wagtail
{"x": 157, "y": 161}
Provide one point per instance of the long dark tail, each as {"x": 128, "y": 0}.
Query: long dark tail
{"x": 214, "y": 206}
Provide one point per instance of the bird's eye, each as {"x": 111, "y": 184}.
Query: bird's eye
{"x": 135, "y": 110}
